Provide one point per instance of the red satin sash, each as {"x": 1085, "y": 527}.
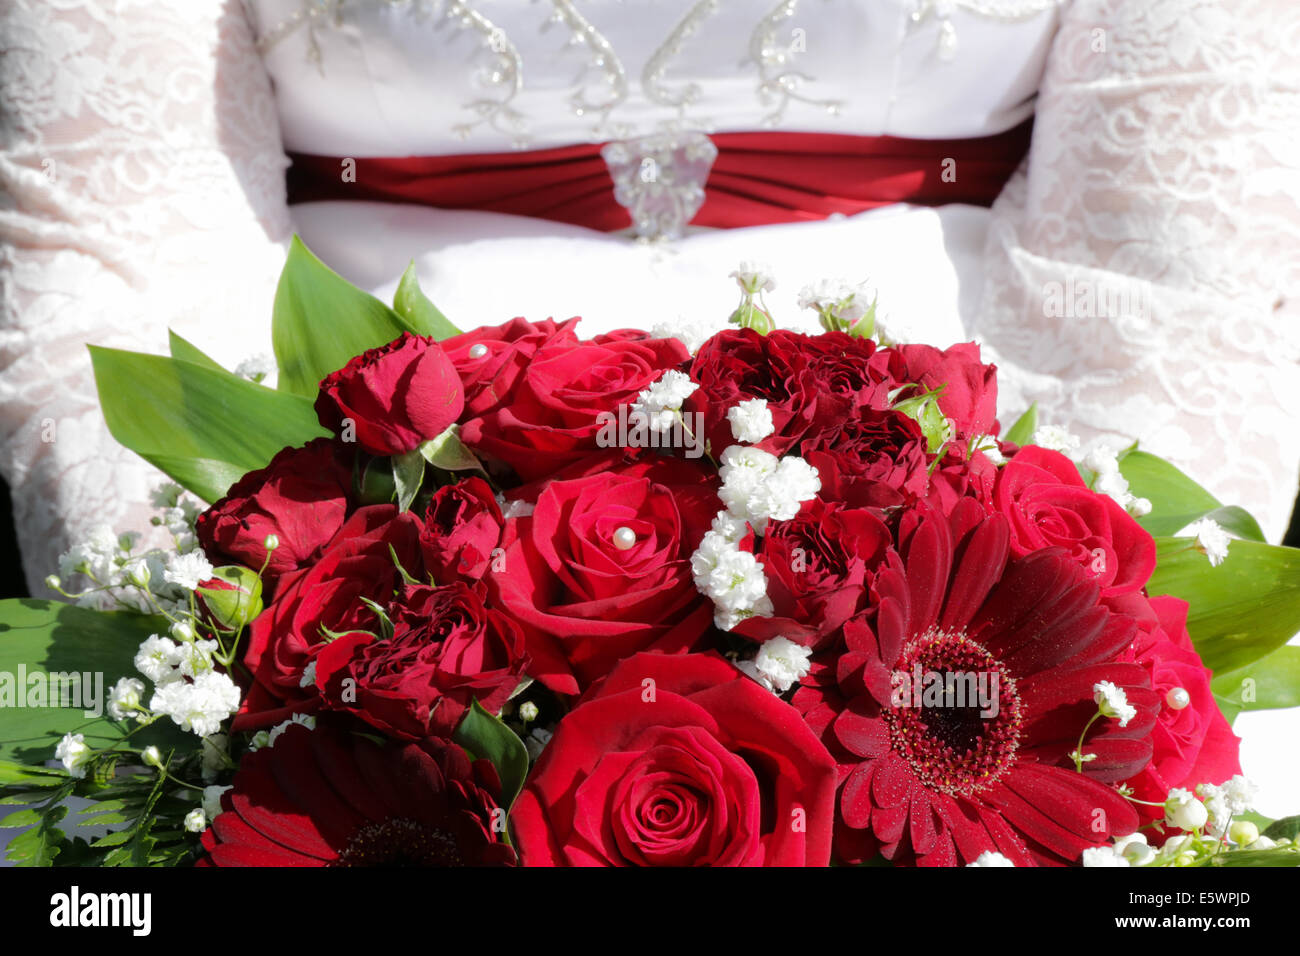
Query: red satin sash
{"x": 757, "y": 178}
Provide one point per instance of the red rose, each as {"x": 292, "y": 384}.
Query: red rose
{"x": 321, "y": 599}
{"x": 446, "y": 651}
{"x": 584, "y": 601}
{"x": 818, "y": 565}
{"x": 554, "y": 417}
{"x": 396, "y": 396}
{"x": 301, "y": 497}
{"x": 1047, "y": 505}
{"x": 809, "y": 382}
{"x": 873, "y": 458}
{"x": 491, "y": 359}
{"x": 678, "y": 761}
{"x": 970, "y": 388}
{"x": 1194, "y": 743}
{"x": 462, "y": 528}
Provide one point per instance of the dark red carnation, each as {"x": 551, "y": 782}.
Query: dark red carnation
{"x": 320, "y": 601}
{"x": 678, "y": 761}
{"x": 330, "y": 797}
{"x": 818, "y": 566}
{"x": 301, "y": 497}
{"x": 394, "y": 397}
{"x": 446, "y": 651}
{"x": 873, "y": 458}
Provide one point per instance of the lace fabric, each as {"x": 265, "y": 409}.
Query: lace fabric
{"x": 1142, "y": 265}
{"x": 143, "y": 176}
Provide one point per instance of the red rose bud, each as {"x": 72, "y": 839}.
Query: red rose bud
{"x": 391, "y": 399}
{"x": 462, "y": 528}
{"x": 232, "y": 596}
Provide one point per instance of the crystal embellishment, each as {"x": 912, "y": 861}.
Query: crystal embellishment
{"x": 660, "y": 180}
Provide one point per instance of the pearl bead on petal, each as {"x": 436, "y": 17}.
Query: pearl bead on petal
{"x": 478, "y": 351}
{"x": 1177, "y": 698}
{"x": 624, "y": 538}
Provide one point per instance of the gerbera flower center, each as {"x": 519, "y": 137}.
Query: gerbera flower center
{"x": 400, "y": 842}
{"x": 955, "y": 715}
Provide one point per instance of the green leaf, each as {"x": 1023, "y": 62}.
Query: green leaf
{"x": 48, "y": 638}
{"x": 1281, "y": 856}
{"x": 408, "y": 475}
{"x": 412, "y": 304}
{"x": 1288, "y": 828}
{"x": 20, "y": 818}
{"x": 1276, "y": 684}
{"x": 485, "y": 736}
{"x": 12, "y": 774}
{"x": 188, "y": 352}
{"x": 1023, "y": 430}
{"x": 1177, "y": 501}
{"x": 202, "y": 426}
{"x": 449, "y": 453}
{"x": 321, "y": 322}
{"x": 1246, "y": 608}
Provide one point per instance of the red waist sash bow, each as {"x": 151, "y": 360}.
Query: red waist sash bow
{"x": 757, "y": 178}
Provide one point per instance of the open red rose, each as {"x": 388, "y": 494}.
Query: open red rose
{"x": 554, "y": 416}
{"x": 1191, "y": 744}
{"x": 584, "y": 600}
{"x": 678, "y": 761}
{"x": 320, "y": 599}
{"x": 491, "y": 359}
{"x": 970, "y": 388}
{"x": 301, "y": 497}
{"x": 395, "y": 397}
{"x": 1048, "y": 505}
{"x": 446, "y": 651}
{"x": 818, "y": 565}
{"x": 462, "y": 527}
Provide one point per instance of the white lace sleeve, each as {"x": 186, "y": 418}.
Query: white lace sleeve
{"x": 1143, "y": 263}
{"x": 142, "y": 176}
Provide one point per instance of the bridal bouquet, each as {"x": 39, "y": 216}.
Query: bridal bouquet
{"x": 511, "y": 596}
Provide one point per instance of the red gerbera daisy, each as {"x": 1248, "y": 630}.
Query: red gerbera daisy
{"x": 953, "y": 706}
{"x": 330, "y": 797}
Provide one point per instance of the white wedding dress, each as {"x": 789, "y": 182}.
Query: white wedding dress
{"x": 143, "y": 161}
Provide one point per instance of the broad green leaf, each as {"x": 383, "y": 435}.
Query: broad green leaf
{"x": 1288, "y": 828}
{"x": 414, "y": 306}
{"x": 202, "y": 426}
{"x": 188, "y": 352}
{"x": 1247, "y": 607}
{"x": 408, "y": 475}
{"x": 1177, "y": 501}
{"x": 1023, "y": 430}
{"x": 485, "y": 736}
{"x": 322, "y": 321}
{"x": 20, "y": 818}
{"x": 52, "y": 638}
{"x": 449, "y": 453}
{"x": 1274, "y": 683}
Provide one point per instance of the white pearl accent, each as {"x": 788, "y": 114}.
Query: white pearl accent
{"x": 1177, "y": 698}
{"x": 624, "y": 538}
{"x": 478, "y": 351}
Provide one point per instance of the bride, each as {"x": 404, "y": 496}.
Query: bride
{"x": 1131, "y": 264}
